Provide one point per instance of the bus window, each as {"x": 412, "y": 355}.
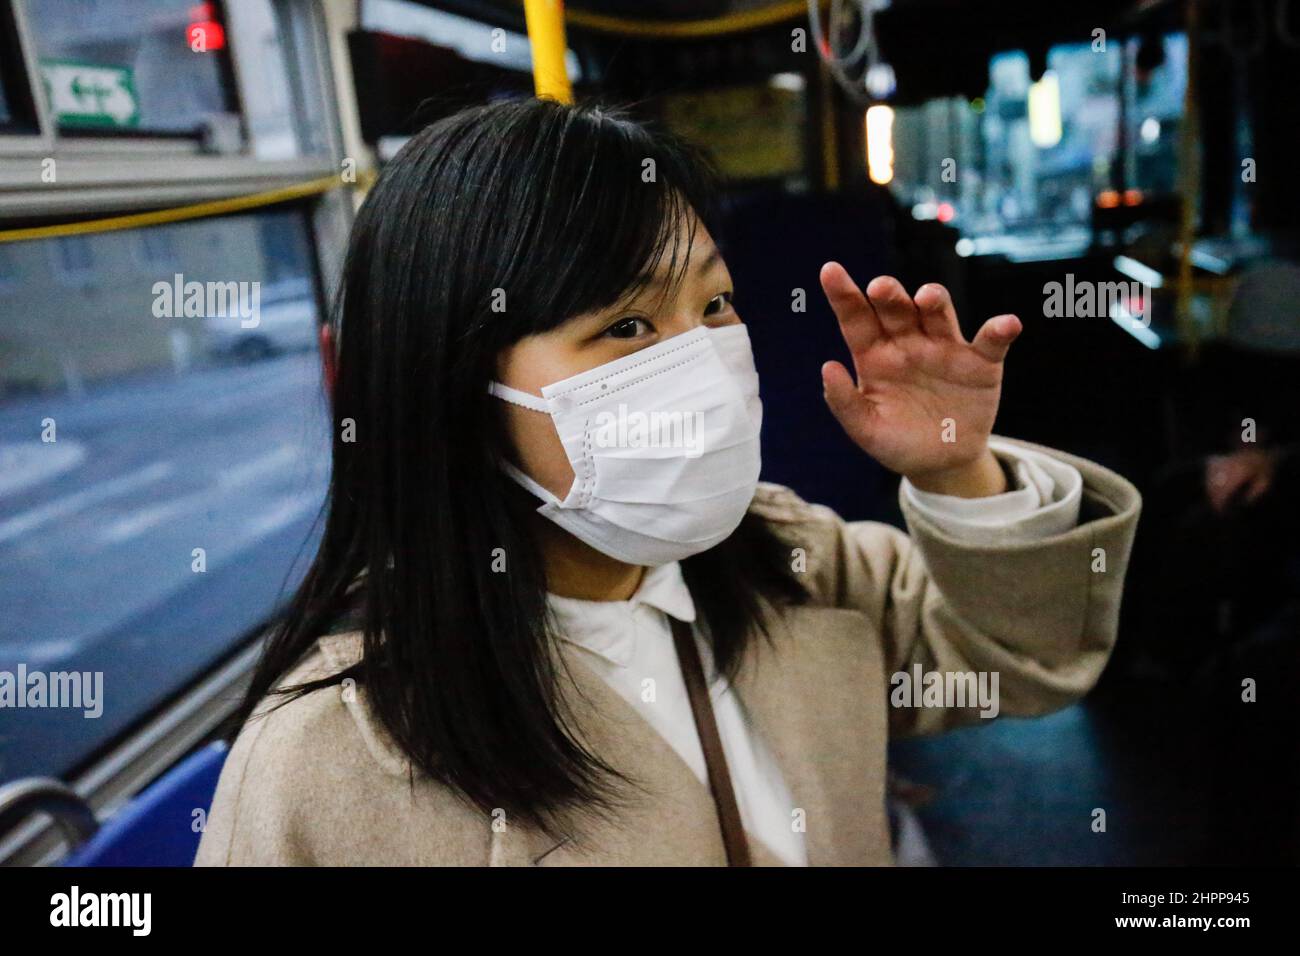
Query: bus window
{"x": 163, "y": 456}
{"x": 1024, "y": 165}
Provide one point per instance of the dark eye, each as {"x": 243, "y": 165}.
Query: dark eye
{"x": 628, "y": 328}
{"x": 718, "y": 303}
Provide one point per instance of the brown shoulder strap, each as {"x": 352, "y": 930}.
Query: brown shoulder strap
{"x": 724, "y": 797}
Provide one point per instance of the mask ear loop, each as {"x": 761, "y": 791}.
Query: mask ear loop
{"x": 528, "y": 484}
{"x": 537, "y": 404}
{"x": 515, "y": 397}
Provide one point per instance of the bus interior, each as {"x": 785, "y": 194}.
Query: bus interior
{"x": 1117, "y": 173}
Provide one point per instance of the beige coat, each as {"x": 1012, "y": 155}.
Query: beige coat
{"x": 318, "y": 781}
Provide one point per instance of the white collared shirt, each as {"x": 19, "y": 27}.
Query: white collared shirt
{"x": 629, "y": 643}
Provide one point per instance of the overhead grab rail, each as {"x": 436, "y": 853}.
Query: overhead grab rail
{"x": 737, "y": 22}
{"x": 202, "y": 210}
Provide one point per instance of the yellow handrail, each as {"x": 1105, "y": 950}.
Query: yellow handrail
{"x": 682, "y": 29}
{"x": 215, "y": 207}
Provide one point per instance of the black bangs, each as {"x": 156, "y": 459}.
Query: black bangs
{"x": 617, "y": 197}
{"x": 543, "y": 211}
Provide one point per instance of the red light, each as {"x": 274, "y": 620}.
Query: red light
{"x": 204, "y": 33}
{"x": 1132, "y": 197}
{"x": 206, "y": 36}
{"x": 945, "y": 212}
{"x": 1108, "y": 199}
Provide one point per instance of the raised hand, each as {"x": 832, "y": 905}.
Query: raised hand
{"x": 925, "y": 399}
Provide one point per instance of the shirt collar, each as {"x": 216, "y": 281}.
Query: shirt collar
{"x": 607, "y": 628}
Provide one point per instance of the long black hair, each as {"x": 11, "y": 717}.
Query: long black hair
{"x": 567, "y": 209}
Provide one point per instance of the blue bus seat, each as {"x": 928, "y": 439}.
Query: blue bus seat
{"x": 158, "y": 827}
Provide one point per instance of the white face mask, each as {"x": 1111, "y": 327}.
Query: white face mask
{"x": 663, "y": 443}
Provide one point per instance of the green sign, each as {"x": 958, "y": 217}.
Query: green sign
{"x": 90, "y": 95}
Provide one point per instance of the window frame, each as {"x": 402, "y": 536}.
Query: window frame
{"x": 35, "y": 138}
{"x": 15, "y": 78}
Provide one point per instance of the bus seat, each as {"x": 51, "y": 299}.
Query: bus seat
{"x": 157, "y": 827}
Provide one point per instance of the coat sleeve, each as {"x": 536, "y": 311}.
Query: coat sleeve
{"x": 1039, "y": 617}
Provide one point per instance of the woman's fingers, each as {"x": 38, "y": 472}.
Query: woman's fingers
{"x": 886, "y": 311}
{"x": 995, "y": 337}
{"x": 858, "y": 322}
{"x": 842, "y": 395}
{"x": 897, "y": 312}
{"x": 938, "y": 316}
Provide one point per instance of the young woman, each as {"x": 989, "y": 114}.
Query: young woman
{"x": 545, "y": 509}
